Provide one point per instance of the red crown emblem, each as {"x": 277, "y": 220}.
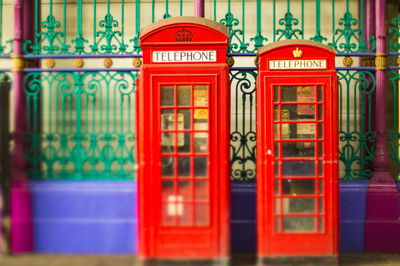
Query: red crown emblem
{"x": 183, "y": 36}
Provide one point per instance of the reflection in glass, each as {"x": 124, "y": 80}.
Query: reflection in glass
{"x": 167, "y": 166}
{"x": 298, "y": 224}
{"x": 185, "y": 218}
{"x": 201, "y": 190}
{"x": 200, "y": 96}
{"x": 168, "y": 189}
{"x": 298, "y": 149}
{"x": 167, "y": 95}
{"x": 168, "y": 211}
{"x": 202, "y": 214}
{"x": 201, "y": 142}
{"x": 298, "y": 168}
{"x": 298, "y": 205}
{"x": 184, "y": 166}
{"x": 298, "y": 187}
{"x": 184, "y": 95}
{"x": 200, "y": 166}
{"x": 185, "y": 189}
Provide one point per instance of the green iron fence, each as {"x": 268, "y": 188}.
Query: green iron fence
{"x": 67, "y": 136}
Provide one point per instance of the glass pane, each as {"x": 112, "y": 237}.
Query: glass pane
{"x": 201, "y": 142}
{"x": 185, "y": 189}
{"x": 276, "y": 94}
{"x": 168, "y": 189}
{"x": 184, "y": 166}
{"x": 320, "y": 168}
{"x": 277, "y": 169}
{"x": 167, "y": 142}
{"x": 184, "y": 119}
{"x": 298, "y": 112}
{"x": 298, "y": 168}
{"x": 276, "y": 149}
{"x": 321, "y": 205}
{"x": 298, "y": 224}
{"x": 277, "y": 225}
{"x": 321, "y": 186}
{"x": 320, "y": 113}
{"x": 200, "y": 166}
{"x": 298, "y": 93}
{"x": 202, "y": 214}
{"x": 320, "y": 95}
{"x": 320, "y": 131}
{"x": 185, "y": 216}
{"x": 201, "y": 119}
{"x": 201, "y": 190}
{"x": 298, "y": 187}
{"x": 184, "y": 95}
{"x": 167, "y": 166}
{"x": 277, "y": 206}
{"x": 184, "y": 141}
{"x": 167, "y": 95}
{"x": 167, "y": 119}
{"x": 296, "y": 205}
{"x": 276, "y": 113}
{"x": 276, "y": 131}
{"x": 320, "y": 149}
{"x": 321, "y": 224}
{"x": 200, "y": 96}
{"x": 277, "y": 187}
{"x": 167, "y": 213}
{"x": 298, "y": 149}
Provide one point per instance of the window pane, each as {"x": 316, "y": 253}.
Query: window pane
{"x": 202, "y": 214}
{"x": 167, "y": 95}
{"x": 185, "y": 189}
{"x": 167, "y": 166}
{"x": 184, "y": 95}
{"x": 298, "y": 112}
{"x": 167, "y": 119}
{"x": 201, "y": 190}
{"x": 200, "y": 166}
{"x": 298, "y": 131}
{"x": 298, "y": 149}
{"x": 201, "y": 142}
{"x": 184, "y": 166}
{"x": 298, "y": 224}
{"x": 298, "y": 93}
{"x": 184, "y": 141}
{"x": 184, "y": 119}
{"x": 298, "y": 168}
{"x": 298, "y": 187}
{"x": 296, "y": 205}
{"x": 200, "y": 96}
{"x": 167, "y": 142}
{"x": 276, "y": 94}
{"x": 185, "y": 216}
{"x": 168, "y": 189}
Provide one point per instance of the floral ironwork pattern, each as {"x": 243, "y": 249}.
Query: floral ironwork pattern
{"x": 85, "y": 129}
{"x": 348, "y": 39}
{"x": 288, "y": 32}
{"x": 394, "y": 44}
{"x": 236, "y": 45}
{"x": 243, "y": 135}
{"x": 356, "y": 136}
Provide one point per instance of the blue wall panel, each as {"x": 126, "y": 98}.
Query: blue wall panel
{"x": 352, "y": 215}
{"x": 84, "y": 217}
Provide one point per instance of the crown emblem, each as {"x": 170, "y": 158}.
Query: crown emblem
{"x": 297, "y": 52}
{"x": 183, "y": 36}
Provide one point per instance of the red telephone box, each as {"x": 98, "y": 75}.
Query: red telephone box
{"x": 297, "y": 150}
{"x": 183, "y": 121}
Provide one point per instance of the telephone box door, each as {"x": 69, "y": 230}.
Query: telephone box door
{"x": 298, "y": 161}
{"x": 186, "y": 213}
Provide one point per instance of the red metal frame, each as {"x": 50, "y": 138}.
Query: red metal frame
{"x": 177, "y": 235}
{"x": 276, "y": 182}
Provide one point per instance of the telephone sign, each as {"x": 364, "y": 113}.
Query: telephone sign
{"x": 297, "y": 151}
{"x": 183, "y": 114}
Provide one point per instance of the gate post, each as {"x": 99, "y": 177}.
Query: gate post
{"x": 382, "y": 230}
{"x": 5, "y": 161}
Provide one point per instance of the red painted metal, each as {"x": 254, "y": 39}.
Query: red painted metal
{"x": 297, "y": 153}
{"x": 183, "y": 114}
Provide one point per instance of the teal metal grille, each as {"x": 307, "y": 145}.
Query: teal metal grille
{"x": 84, "y": 149}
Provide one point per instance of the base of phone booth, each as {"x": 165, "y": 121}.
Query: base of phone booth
{"x": 184, "y": 262}
{"x": 299, "y": 260}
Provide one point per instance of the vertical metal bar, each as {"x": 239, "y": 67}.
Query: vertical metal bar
{"x": 181, "y": 7}
{"x": 333, "y": 26}
{"x": 137, "y": 17}
{"x": 1, "y": 19}
{"x": 64, "y": 24}
{"x": 302, "y": 21}
{"x": 152, "y": 10}
{"x": 259, "y": 18}
{"x": 317, "y": 18}
{"x": 215, "y": 10}
{"x": 94, "y": 23}
{"x": 274, "y": 18}
{"x": 5, "y": 171}
{"x": 122, "y": 20}
{"x": 79, "y": 13}
{"x": 243, "y": 21}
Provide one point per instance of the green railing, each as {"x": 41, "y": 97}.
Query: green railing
{"x": 68, "y": 139}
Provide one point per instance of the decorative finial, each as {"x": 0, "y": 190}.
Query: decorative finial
{"x": 297, "y": 52}
{"x": 79, "y": 63}
{"x": 50, "y": 63}
{"x": 347, "y": 61}
{"x": 107, "y": 62}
